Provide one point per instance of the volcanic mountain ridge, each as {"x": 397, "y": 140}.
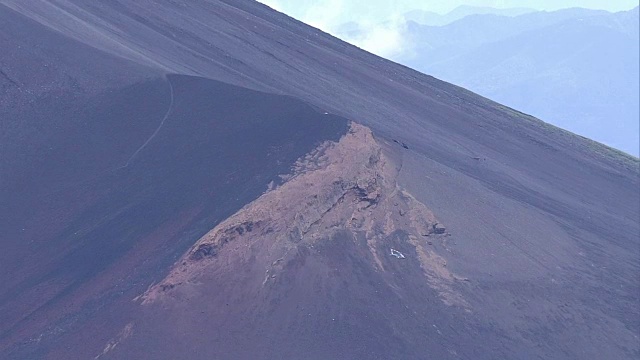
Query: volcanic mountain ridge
{"x": 213, "y": 179}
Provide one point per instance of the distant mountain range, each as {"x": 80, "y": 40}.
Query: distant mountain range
{"x": 575, "y": 68}
{"x": 434, "y": 19}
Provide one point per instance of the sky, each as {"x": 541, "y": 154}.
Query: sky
{"x": 381, "y": 7}
{"x": 383, "y": 21}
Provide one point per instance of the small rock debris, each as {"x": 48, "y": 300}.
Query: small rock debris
{"x": 397, "y": 254}
{"x": 436, "y": 230}
{"x": 439, "y": 230}
{"x": 401, "y": 143}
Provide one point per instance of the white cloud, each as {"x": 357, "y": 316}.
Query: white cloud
{"x": 386, "y": 39}
{"x": 325, "y": 15}
{"x": 381, "y": 25}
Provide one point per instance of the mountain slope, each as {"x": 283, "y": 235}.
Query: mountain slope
{"x": 210, "y": 220}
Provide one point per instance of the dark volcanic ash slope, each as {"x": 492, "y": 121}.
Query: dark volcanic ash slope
{"x": 117, "y": 180}
{"x": 123, "y": 183}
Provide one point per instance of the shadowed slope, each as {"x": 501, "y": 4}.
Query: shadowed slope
{"x": 217, "y": 149}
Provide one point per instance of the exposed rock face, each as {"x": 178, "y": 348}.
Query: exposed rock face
{"x": 123, "y": 335}
{"x": 345, "y": 186}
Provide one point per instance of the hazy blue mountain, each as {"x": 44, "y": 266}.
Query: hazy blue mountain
{"x": 576, "y": 68}
{"x": 432, "y": 43}
{"x": 434, "y": 19}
